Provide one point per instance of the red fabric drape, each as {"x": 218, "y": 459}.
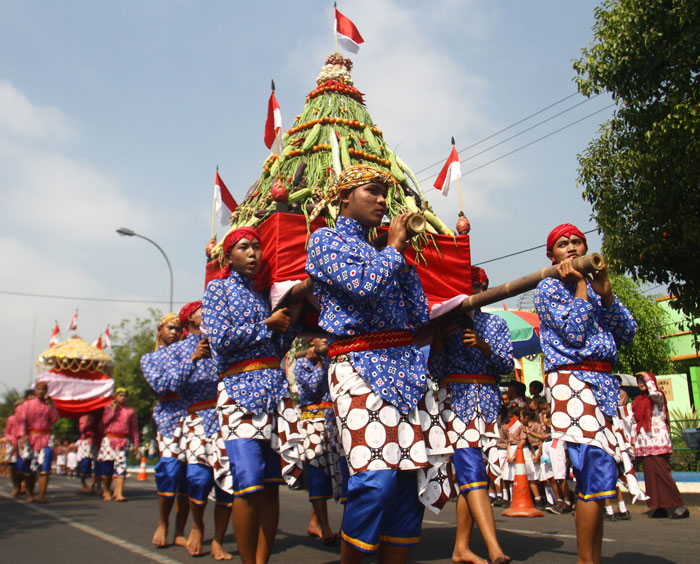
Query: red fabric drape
{"x": 73, "y": 408}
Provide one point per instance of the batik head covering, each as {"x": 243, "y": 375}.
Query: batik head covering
{"x": 352, "y": 177}
{"x": 121, "y": 391}
{"x": 563, "y": 230}
{"x": 167, "y": 318}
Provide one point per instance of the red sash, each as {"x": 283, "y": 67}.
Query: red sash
{"x": 200, "y": 405}
{"x": 250, "y": 365}
{"x": 590, "y": 366}
{"x": 370, "y": 341}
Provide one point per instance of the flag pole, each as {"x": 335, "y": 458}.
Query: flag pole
{"x": 335, "y": 27}
{"x": 213, "y": 208}
{"x": 459, "y": 185}
{"x": 277, "y": 142}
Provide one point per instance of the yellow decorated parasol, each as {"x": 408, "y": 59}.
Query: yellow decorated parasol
{"x": 75, "y": 355}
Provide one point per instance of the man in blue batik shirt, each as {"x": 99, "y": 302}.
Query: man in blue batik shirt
{"x": 469, "y": 363}
{"x": 371, "y": 302}
{"x": 581, "y": 325}
{"x": 259, "y": 424}
{"x": 167, "y": 413}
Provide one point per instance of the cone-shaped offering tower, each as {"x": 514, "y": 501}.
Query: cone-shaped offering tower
{"x": 333, "y": 132}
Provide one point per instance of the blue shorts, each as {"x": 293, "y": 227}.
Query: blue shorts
{"x": 382, "y": 507}
{"x": 23, "y": 466}
{"x": 320, "y": 485}
{"x": 45, "y": 466}
{"x": 595, "y": 472}
{"x": 470, "y": 469}
{"x": 200, "y": 480}
{"x": 253, "y": 465}
{"x": 345, "y": 474}
{"x": 170, "y": 477}
{"x": 85, "y": 466}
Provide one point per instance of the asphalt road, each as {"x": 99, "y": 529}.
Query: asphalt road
{"x": 75, "y": 528}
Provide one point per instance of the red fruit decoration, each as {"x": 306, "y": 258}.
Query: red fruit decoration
{"x": 210, "y": 245}
{"x": 463, "y": 225}
{"x": 279, "y": 192}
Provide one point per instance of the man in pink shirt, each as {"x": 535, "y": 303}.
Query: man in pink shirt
{"x": 36, "y": 417}
{"x": 119, "y": 430}
{"x": 11, "y": 454}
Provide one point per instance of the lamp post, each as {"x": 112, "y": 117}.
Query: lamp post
{"x": 125, "y": 232}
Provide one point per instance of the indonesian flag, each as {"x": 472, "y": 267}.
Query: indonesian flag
{"x": 349, "y": 37}
{"x": 73, "y": 325}
{"x": 224, "y": 203}
{"x": 53, "y": 340}
{"x": 98, "y": 342}
{"x": 105, "y": 338}
{"x": 273, "y": 124}
{"x": 450, "y": 172}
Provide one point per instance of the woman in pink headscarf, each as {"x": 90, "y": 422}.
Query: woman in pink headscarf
{"x": 652, "y": 445}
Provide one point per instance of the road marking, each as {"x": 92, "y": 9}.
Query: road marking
{"x": 521, "y": 531}
{"x": 125, "y": 544}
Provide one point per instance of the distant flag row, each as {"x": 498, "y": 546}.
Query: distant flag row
{"x": 102, "y": 342}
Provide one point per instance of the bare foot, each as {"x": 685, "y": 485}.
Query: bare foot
{"x": 120, "y": 498}
{"x": 194, "y": 542}
{"x": 501, "y": 560}
{"x": 30, "y": 499}
{"x": 84, "y": 487}
{"x": 42, "y": 500}
{"x": 328, "y": 536}
{"x": 180, "y": 540}
{"x": 15, "y": 492}
{"x": 460, "y": 555}
{"x": 107, "y": 496}
{"x": 218, "y": 552}
{"x": 314, "y": 531}
{"x": 160, "y": 537}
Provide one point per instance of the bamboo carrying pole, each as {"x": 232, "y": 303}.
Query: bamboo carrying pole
{"x": 585, "y": 265}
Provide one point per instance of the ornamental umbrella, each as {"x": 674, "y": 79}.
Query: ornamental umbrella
{"x": 77, "y": 375}
{"x": 524, "y": 328}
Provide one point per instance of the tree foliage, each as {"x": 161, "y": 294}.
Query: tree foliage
{"x": 642, "y": 175}
{"x": 132, "y": 339}
{"x": 648, "y": 351}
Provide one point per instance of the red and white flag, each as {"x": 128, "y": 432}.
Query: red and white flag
{"x": 73, "y": 325}
{"x": 98, "y": 342}
{"x": 450, "y": 172}
{"x": 53, "y": 340}
{"x": 273, "y": 124}
{"x": 349, "y": 37}
{"x": 105, "y": 338}
{"x": 224, "y": 203}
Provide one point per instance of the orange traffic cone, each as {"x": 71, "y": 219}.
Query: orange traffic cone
{"x": 142, "y": 477}
{"x": 521, "y": 505}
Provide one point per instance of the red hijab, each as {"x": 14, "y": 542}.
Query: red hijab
{"x": 231, "y": 239}
{"x": 643, "y": 407}
{"x": 185, "y": 312}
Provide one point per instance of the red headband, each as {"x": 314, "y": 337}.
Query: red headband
{"x": 479, "y": 276}
{"x": 186, "y": 310}
{"x": 563, "y": 230}
{"x": 236, "y": 235}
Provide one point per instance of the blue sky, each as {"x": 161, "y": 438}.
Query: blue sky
{"x": 117, "y": 114}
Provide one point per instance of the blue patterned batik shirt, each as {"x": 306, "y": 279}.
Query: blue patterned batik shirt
{"x": 234, "y": 315}
{"x": 196, "y": 381}
{"x": 455, "y": 358}
{"x": 166, "y": 414}
{"x": 312, "y": 382}
{"x": 573, "y": 330}
{"x": 361, "y": 290}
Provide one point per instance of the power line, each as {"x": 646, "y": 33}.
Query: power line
{"x": 521, "y": 252}
{"x": 85, "y": 299}
{"x": 530, "y": 143}
{"x": 512, "y": 125}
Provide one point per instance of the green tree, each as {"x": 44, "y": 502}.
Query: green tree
{"x": 648, "y": 351}
{"x": 132, "y": 339}
{"x": 642, "y": 175}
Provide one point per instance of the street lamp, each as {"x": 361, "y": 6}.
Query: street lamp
{"x": 126, "y": 232}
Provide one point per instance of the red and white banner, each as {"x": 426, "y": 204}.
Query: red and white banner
{"x": 73, "y": 325}
{"x": 273, "y": 124}
{"x": 97, "y": 342}
{"x": 106, "y": 343}
{"x": 76, "y": 393}
{"x": 224, "y": 202}
{"x": 449, "y": 173}
{"x": 349, "y": 37}
{"x": 53, "y": 340}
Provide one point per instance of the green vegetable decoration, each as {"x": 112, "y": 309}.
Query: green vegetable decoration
{"x": 333, "y": 131}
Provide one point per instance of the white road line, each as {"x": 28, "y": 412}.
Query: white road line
{"x": 125, "y": 544}
{"x": 517, "y": 531}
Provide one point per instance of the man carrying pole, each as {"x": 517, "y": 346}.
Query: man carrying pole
{"x": 582, "y": 322}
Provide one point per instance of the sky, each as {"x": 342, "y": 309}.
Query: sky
{"x": 117, "y": 114}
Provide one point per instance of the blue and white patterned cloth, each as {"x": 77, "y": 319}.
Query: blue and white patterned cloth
{"x": 166, "y": 414}
{"x": 196, "y": 381}
{"x": 312, "y": 382}
{"x": 455, "y": 358}
{"x": 573, "y": 330}
{"x": 361, "y": 290}
{"x": 234, "y": 314}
